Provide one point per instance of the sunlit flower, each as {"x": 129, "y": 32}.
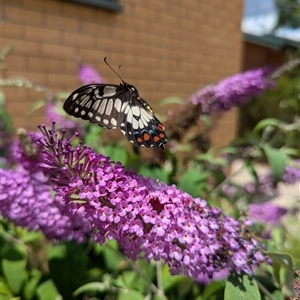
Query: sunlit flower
{"x": 233, "y": 91}
{"x": 147, "y": 218}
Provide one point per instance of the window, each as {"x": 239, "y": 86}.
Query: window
{"x": 110, "y": 5}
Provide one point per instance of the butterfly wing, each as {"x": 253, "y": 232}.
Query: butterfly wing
{"x": 102, "y": 104}
{"x": 112, "y": 106}
{"x": 141, "y": 127}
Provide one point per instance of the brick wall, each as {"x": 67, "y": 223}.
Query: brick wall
{"x": 256, "y": 56}
{"x": 165, "y": 48}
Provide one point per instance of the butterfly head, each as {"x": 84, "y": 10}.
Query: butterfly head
{"x": 130, "y": 88}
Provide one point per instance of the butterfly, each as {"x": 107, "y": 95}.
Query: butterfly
{"x": 118, "y": 106}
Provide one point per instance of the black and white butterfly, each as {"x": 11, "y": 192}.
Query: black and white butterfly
{"x": 118, "y": 106}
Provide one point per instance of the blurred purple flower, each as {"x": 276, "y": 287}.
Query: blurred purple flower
{"x": 291, "y": 173}
{"x": 266, "y": 213}
{"x": 27, "y": 200}
{"x": 54, "y": 115}
{"x": 266, "y": 185}
{"x": 233, "y": 91}
{"x": 88, "y": 75}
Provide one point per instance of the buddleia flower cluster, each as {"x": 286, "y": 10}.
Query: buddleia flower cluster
{"x": 88, "y": 75}
{"x": 27, "y": 198}
{"x": 148, "y": 218}
{"x": 234, "y": 91}
{"x": 266, "y": 212}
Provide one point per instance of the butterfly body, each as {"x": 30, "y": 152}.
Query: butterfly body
{"x": 118, "y": 106}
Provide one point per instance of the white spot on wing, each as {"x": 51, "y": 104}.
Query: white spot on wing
{"x": 126, "y": 107}
{"x": 113, "y": 121}
{"x": 102, "y": 106}
{"x": 105, "y": 121}
{"x": 84, "y": 100}
{"x": 141, "y": 124}
{"x": 109, "y": 106}
{"x": 88, "y": 105}
{"x": 76, "y": 110}
{"x": 118, "y": 104}
{"x": 129, "y": 116}
{"x": 74, "y": 96}
{"x": 109, "y": 91}
{"x": 96, "y": 105}
{"x": 82, "y": 112}
{"x": 135, "y": 124}
{"x": 90, "y": 114}
{"x": 98, "y": 118}
{"x": 136, "y": 110}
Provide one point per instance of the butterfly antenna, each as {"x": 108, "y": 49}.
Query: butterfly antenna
{"x": 113, "y": 69}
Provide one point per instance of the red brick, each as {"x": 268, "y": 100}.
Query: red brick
{"x": 11, "y": 30}
{"x": 18, "y": 14}
{"x": 164, "y": 48}
{"x": 34, "y": 33}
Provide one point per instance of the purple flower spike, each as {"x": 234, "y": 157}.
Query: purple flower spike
{"x": 147, "y": 218}
{"x": 27, "y": 200}
{"x": 88, "y": 75}
{"x": 266, "y": 213}
{"x": 233, "y": 91}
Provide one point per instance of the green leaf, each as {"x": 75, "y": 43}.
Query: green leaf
{"x": 116, "y": 153}
{"x": 35, "y": 105}
{"x": 171, "y": 100}
{"x": 15, "y": 273}
{"x": 31, "y": 236}
{"x": 48, "y": 291}
{"x": 214, "y": 287}
{"x": 112, "y": 256}
{"x": 2, "y": 100}
{"x": 31, "y": 285}
{"x": 282, "y": 261}
{"x": 92, "y": 137}
{"x": 161, "y": 174}
{"x": 62, "y": 95}
{"x": 277, "y": 160}
{"x": 264, "y": 123}
{"x": 131, "y": 280}
{"x": 241, "y": 288}
{"x": 13, "y": 251}
{"x": 5, "y": 292}
{"x": 130, "y": 295}
{"x": 97, "y": 287}
{"x": 147, "y": 269}
{"x": 169, "y": 281}
{"x": 67, "y": 265}
{"x": 191, "y": 181}
{"x": 251, "y": 169}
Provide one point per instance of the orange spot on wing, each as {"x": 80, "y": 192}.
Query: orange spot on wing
{"x": 161, "y": 135}
{"x": 146, "y": 136}
{"x": 139, "y": 140}
{"x": 156, "y": 138}
{"x": 161, "y": 127}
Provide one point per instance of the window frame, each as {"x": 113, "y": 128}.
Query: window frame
{"x": 110, "y": 5}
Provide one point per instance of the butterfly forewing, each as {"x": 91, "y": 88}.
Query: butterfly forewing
{"x": 113, "y": 106}
{"x": 98, "y": 103}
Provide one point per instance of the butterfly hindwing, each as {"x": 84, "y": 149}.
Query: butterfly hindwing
{"x": 113, "y": 106}
{"x": 142, "y": 127}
